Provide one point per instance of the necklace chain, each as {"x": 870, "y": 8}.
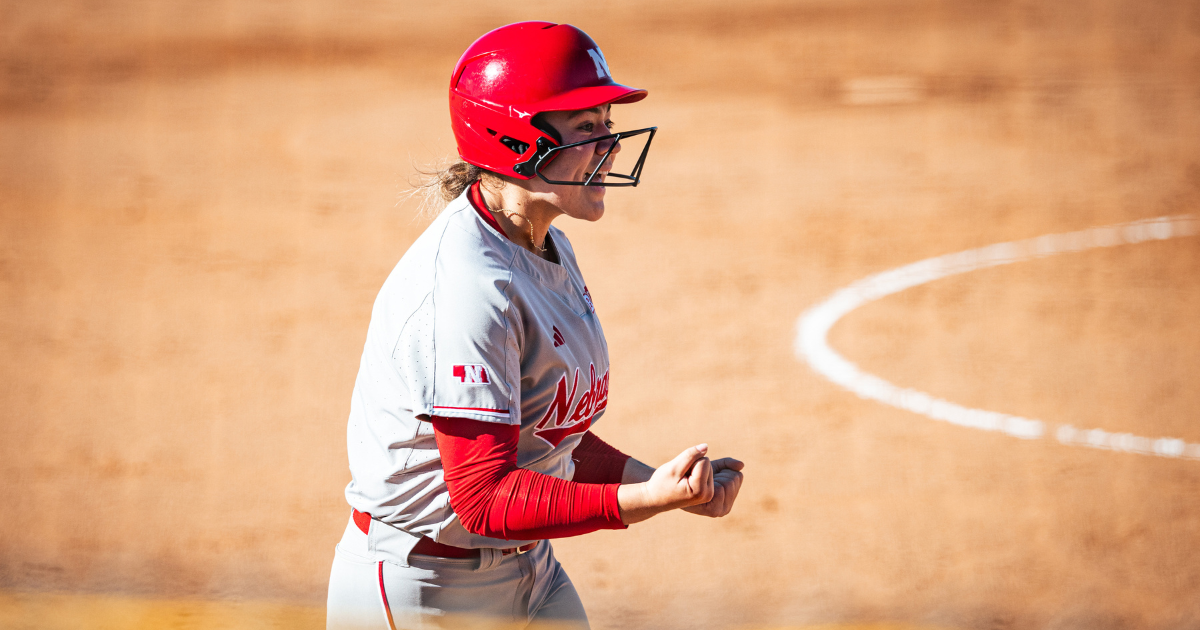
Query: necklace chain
{"x": 533, "y": 243}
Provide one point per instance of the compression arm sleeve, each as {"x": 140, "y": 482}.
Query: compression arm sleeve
{"x": 493, "y": 497}
{"x": 597, "y": 462}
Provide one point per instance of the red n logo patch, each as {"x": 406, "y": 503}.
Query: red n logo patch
{"x": 471, "y": 373}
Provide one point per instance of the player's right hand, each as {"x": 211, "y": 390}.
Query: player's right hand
{"x": 727, "y": 481}
{"x": 683, "y": 481}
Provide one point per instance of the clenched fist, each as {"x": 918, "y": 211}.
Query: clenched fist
{"x": 727, "y": 481}
{"x": 685, "y": 481}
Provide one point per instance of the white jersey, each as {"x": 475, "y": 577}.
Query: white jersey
{"x": 471, "y": 325}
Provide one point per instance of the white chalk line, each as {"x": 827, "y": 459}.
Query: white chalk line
{"x": 813, "y": 327}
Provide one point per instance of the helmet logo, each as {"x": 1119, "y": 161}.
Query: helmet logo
{"x": 601, "y": 64}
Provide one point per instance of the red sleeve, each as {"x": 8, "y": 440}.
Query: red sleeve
{"x": 597, "y": 462}
{"x": 494, "y": 498}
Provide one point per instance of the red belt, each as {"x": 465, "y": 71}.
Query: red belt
{"x": 430, "y": 547}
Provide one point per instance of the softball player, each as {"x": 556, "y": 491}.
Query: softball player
{"x": 485, "y": 366}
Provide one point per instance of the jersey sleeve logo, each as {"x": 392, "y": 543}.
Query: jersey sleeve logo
{"x": 471, "y": 374}
{"x": 562, "y": 418}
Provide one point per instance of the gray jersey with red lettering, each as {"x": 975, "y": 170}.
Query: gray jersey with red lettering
{"x": 471, "y": 325}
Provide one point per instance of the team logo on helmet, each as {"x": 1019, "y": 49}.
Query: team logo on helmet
{"x": 601, "y": 64}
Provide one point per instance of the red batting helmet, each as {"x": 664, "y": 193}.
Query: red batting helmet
{"x": 512, "y": 74}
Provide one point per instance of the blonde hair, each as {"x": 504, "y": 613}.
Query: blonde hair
{"x": 439, "y": 185}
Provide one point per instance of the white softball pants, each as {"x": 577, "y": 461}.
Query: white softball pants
{"x": 529, "y": 590}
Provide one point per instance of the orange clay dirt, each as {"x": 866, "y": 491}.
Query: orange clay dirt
{"x": 198, "y": 203}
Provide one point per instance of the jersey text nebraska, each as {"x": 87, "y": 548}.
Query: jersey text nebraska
{"x": 557, "y": 424}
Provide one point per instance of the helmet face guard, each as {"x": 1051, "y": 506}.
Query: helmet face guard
{"x": 547, "y": 151}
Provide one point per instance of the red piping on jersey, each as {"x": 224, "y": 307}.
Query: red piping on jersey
{"x": 503, "y": 411}
{"x": 383, "y": 593}
{"x": 475, "y": 196}
{"x": 493, "y": 497}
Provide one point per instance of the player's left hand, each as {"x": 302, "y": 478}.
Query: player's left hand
{"x": 727, "y": 480}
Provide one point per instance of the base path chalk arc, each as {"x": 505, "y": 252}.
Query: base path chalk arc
{"x": 812, "y": 330}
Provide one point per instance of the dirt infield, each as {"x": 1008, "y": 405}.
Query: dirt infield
{"x": 53, "y": 611}
{"x": 199, "y": 202}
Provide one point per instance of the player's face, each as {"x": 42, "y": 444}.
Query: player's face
{"x": 575, "y": 164}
